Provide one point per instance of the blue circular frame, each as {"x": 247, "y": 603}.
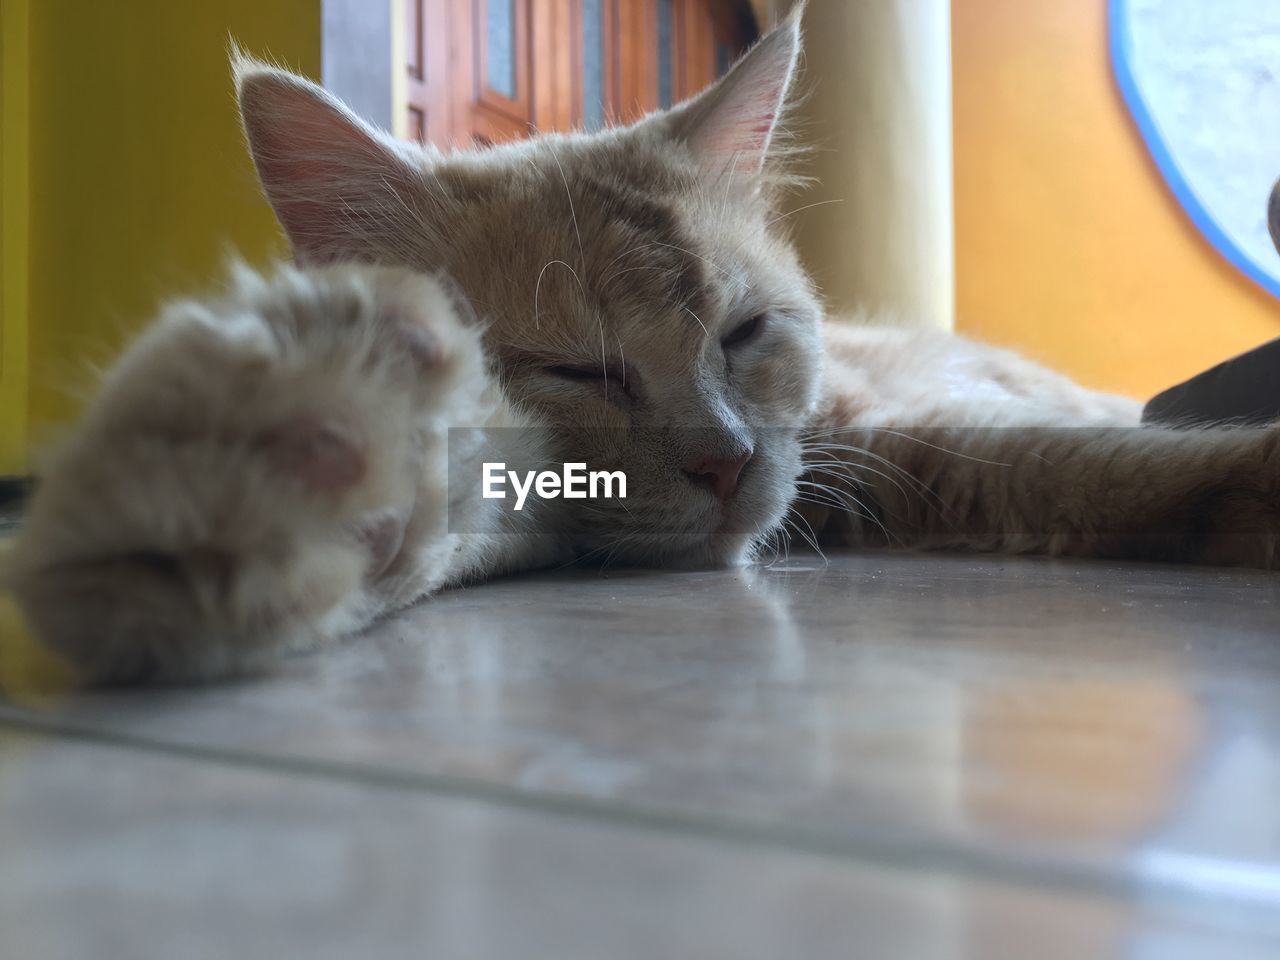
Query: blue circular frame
{"x": 1121, "y": 43}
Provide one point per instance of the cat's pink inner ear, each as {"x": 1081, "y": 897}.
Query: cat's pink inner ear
{"x": 731, "y": 126}
{"x": 323, "y": 168}
{"x": 325, "y": 456}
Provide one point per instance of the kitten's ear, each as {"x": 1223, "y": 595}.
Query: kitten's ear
{"x": 731, "y": 125}
{"x": 338, "y": 186}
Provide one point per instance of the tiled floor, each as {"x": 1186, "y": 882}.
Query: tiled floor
{"x": 909, "y": 757}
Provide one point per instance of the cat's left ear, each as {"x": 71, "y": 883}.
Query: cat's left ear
{"x": 341, "y": 188}
{"x": 731, "y": 125}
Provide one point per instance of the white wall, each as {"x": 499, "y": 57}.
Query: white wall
{"x": 359, "y": 63}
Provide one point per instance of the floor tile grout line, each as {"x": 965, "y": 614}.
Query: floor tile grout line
{"x": 860, "y": 850}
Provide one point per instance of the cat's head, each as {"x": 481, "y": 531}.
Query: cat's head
{"x": 638, "y": 285}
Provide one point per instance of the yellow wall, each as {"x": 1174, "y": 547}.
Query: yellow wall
{"x": 139, "y": 183}
{"x": 1068, "y": 244}
{"x": 13, "y": 235}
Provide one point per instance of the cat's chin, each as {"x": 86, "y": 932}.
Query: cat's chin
{"x": 675, "y": 551}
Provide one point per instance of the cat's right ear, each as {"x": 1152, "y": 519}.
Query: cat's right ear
{"x": 339, "y": 187}
{"x": 731, "y": 126}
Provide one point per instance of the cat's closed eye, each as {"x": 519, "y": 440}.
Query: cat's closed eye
{"x": 611, "y": 375}
{"x": 744, "y": 332}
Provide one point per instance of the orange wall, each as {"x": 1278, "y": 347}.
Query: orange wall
{"x": 1068, "y": 245}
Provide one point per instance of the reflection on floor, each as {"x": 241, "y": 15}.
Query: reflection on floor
{"x": 911, "y": 757}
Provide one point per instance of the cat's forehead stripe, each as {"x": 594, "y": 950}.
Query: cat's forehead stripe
{"x": 651, "y": 230}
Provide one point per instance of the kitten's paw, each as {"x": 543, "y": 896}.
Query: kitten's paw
{"x": 246, "y": 475}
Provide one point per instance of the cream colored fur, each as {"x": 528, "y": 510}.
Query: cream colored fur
{"x": 272, "y": 469}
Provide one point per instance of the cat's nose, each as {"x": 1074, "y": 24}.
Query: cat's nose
{"x": 718, "y": 473}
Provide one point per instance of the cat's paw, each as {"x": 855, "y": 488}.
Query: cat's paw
{"x": 1235, "y": 520}
{"x": 243, "y": 481}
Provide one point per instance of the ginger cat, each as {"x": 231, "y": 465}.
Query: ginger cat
{"x": 281, "y": 466}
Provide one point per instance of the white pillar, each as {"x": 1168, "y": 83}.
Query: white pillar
{"x": 878, "y": 75}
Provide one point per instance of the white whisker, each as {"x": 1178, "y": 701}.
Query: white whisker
{"x": 699, "y": 319}
{"x": 573, "y": 213}
{"x": 537, "y": 287}
{"x": 807, "y": 206}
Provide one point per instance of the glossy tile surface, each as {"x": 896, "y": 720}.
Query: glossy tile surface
{"x": 1096, "y": 731}
{"x": 111, "y": 853}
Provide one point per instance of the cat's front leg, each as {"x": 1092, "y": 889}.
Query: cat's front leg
{"x": 259, "y": 474}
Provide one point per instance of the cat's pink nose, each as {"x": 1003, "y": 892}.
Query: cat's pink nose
{"x": 720, "y": 474}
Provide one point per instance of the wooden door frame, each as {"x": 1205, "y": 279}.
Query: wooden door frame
{"x": 637, "y": 58}
{"x": 519, "y": 107}
{"x": 453, "y": 86}
{"x": 557, "y": 72}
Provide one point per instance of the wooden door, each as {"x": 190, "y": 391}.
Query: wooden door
{"x": 483, "y": 71}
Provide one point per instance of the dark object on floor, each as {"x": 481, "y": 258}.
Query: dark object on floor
{"x": 14, "y": 492}
{"x": 1244, "y": 390}
{"x": 1273, "y": 215}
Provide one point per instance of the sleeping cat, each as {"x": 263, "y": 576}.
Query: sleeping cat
{"x": 283, "y": 465}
